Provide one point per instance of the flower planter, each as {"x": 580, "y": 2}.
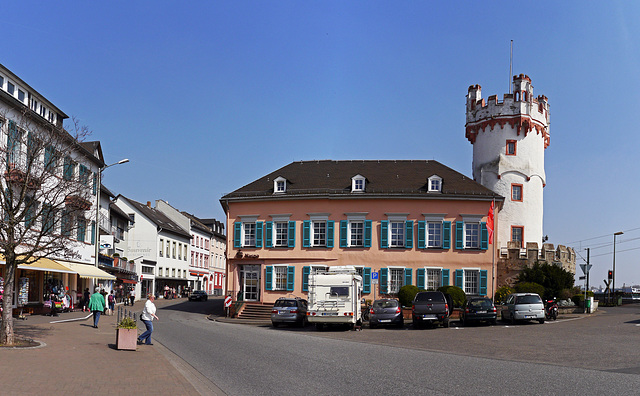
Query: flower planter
{"x": 127, "y": 339}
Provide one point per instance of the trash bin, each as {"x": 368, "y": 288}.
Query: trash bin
{"x": 588, "y": 304}
{"x": 619, "y": 300}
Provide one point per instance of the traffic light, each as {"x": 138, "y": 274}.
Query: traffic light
{"x": 610, "y": 274}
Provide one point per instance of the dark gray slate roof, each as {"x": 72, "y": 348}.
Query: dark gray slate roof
{"x": 402, "y": 178}
{"x": 159, "y": 218}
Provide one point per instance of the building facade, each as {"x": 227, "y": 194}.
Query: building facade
{"x": 218, "y": 261}
{"x": 408, "y": 222}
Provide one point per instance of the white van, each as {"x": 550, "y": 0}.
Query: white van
{"x": 334, "y": 297}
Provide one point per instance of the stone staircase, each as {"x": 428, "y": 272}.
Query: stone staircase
{"x": 255, "y": 311}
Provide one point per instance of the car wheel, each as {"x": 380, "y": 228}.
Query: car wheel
{"x": 319, "y": 326}
{"x": 494, "y": 321}
{"x": 445, "y": 323}
{"x": 371, "y": 325}
{"x": 463, "y": 322}
{"x": 274, "y": 324}
{"x": 513, "y": 320}
{"x": 541, "y": 321}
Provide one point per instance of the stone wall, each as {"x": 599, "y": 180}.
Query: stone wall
{"x": 513, "y": 259}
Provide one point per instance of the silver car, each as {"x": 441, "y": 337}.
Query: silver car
{"x": 523, "y": 306}
{"x": 386, "y": 312}
{"x": 289, "y": 311}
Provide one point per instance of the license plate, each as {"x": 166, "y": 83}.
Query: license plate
{"x": 284, "y": 312}
{"x": 480, "y": 312}
{"x": 428, "y": 316}
{"x": 328, "y": 314}
{"x": 529, "y": 316}
{"x": 385, "y": 321}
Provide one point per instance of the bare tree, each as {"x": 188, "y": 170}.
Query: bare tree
{"x": 48, "y": 190}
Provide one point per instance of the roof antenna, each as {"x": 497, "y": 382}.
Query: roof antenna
{"x": 510, "y": 66}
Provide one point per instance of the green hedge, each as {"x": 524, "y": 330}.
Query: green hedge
{"x": 458, "y": 295}
{"x": 406, "y": 294}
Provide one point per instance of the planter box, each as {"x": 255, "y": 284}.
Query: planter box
{"x": 127, "y": 339}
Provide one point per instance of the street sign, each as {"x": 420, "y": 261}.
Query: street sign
{"x": 583, "y": 277}
{"x": 374, "y": 276}
{"x": 374, "y": 281}
{"x": 227, "y": 301}
{"x": 585, "y": 268}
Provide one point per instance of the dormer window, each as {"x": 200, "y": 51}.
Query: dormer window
{"x": 357, "y": 183}
{"x": 435, "y": 184}
{"x": 280, "y": 185}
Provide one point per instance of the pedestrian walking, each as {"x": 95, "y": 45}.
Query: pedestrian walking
{"x": 132, "y": 295}
{"x": 148, "y": 314}
{"x": 96, "y": 305}
{"x": 85, "y": 299}
{"x": 111, "y": 299}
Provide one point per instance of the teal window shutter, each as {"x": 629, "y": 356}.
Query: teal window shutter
{"x": 420, "y": 278}
{"x": 259, "y": 231}
{"x": 292, "y": 234}
{"x": 367, "y": 233}
{"x": 306, "y": 270}
{"x": 306, "y": 233}
{"x": 95, "y": 183}
{"x": 483, "y": 282}
{"x": 408, "y": 241}
{"x": 237, "y": 233}
{"x": 408, "y": 276}
{"x": 384, "y": 272}
{"x": 343, "y": 233}
{"x": 446, "y": 235}
{"x": 484, "y": 234}
{"x": 384, "y": 234}
{"x": 459, "y": 235}
{"x": 459, "y": 274}
{"x": 366, "y": 280}
{"x": 330, "y": 233}
{"x": 291, "y": 277}
{"x": 445, "y": 277}
{"x": 93, "y": 232}
{"x": 268, "y": 276}
{"x": 422, "y": 234}
{"x": 268, "y": 234}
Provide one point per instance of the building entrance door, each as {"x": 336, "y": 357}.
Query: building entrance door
{"x": 251, "y": 282}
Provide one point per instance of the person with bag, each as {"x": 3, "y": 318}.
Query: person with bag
{"x": 148, "y": 314}
{"x": 85, "y": 299}
{"x": 96, "y": 305}
{"x": 111, "y": 300}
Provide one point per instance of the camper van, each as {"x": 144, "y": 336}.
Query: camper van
{"x": 334, "y": 297}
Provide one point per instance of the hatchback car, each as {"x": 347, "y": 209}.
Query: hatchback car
{"x": 478, "y": 309}
{"x": 523, "y": 306}
{"x": 289, "y": 310}
{"x": 385, "y": 312}
{"x": 198, "y": 295}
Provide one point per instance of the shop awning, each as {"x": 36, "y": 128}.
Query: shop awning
{"x": 127, "y": 281}
{"x": 88, "y": 271}
{"x": 197, "y": 273}
{"x": 45, "y": 264}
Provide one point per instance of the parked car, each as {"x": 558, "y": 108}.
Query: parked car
{"x": 478, "y": 309}
{"x": 385, "y": 312}
{"x": 431, "y": 307}
{"x": 289, "y": 310}
{"x": 198, "y": 295}
{"x": 523, "y": 306}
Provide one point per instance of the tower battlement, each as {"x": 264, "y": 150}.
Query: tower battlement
{"x": 520, "y": 110}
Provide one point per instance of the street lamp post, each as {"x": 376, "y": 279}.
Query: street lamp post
{"x": 99, "y": 187}
{"x": 615, "y": 301}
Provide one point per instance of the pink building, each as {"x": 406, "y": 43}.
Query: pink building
{"x": 402, "y": 222}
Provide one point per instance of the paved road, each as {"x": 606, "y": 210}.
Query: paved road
{"x": 594, "y": 355}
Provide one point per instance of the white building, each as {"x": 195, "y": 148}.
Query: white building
{"x": 218, "y": 262}
{"x": 509, "y": 138}
{"x": 158, "y": 245}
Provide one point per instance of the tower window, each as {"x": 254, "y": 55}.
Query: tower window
{"x": 516, "y": 192}
{"x": 517, "y": 234}
{"x": 511, "y": 147}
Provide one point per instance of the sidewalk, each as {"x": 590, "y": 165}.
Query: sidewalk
{"x": 80, "y": 359}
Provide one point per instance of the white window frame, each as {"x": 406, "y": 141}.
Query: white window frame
{"x": 279, "y": 185}
{"x": 245, "y": 220}
{"x": 434, "y": 184}
{"x": 393, "y": 219}
{"x": 358, "y": 183}
{"x": 433, "y": 220}
{"x": 466, "y": 275}
{"x": 437, "y": 279}
{"x": 317, "y": 219}
{"x": 467, "y": 235}
{"x": 279, "y": 279}
{"x": 391, "y": 285}
{"x": 353, "y": 218}
{"x": 284, "y": 221}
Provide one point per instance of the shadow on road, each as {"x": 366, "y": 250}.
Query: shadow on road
{"x": 213, "y": 306}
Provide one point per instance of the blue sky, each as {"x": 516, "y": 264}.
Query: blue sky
{"x": 206, "y": 97}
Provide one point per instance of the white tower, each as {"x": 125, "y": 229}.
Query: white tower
{"x": 509, "y": 138}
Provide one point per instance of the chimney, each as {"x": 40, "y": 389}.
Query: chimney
{"x": 148, "y": 204}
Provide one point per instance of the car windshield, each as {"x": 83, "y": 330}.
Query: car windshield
{"x": 385, "y": 304}
{"x": 486, "y": 303}
{"x": 529, "y": 299}
{"x": 285, "y": 303}
{"x": 430, "y": 297}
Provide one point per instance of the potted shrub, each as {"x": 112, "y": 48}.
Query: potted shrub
{"x": 127, "y": 334}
